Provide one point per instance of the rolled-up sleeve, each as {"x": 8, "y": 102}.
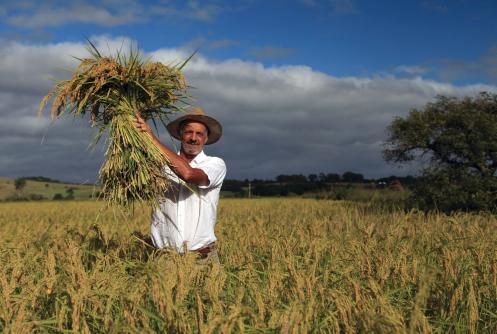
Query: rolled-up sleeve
{"x": 215, "y": 168}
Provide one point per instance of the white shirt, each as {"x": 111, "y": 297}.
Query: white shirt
{"x": 187, "y": 214}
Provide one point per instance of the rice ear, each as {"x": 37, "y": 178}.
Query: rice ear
{"x": 112, "y": 90}
{"x": 43, "y": 103}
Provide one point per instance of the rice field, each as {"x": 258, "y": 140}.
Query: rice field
{"x": 287, "y": 266}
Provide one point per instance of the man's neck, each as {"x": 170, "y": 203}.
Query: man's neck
{"x": 188, "y": 157}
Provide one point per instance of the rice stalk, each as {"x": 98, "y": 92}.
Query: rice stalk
{"x": 109, "y": 92}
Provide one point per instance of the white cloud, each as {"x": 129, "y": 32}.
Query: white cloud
{"x": 276, "y": 120}
{"x": 411, "y": 69}
{"x": 35, "y": 15}
{"x": 27, "y": 69}
{"x": 195, "y": 10}
{"x": 46, "y": 16}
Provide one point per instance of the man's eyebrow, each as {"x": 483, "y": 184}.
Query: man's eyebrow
{"x": 199, "y": 131}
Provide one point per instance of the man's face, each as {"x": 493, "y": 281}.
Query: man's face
{"x": 193, "y": 137}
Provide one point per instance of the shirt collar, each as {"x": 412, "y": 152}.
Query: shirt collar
{"x": 199, "y": 158}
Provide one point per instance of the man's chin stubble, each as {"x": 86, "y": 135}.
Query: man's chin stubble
{"x": 191, "y": 151}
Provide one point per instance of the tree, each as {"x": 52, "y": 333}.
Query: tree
{"x": 232, "y": 185}
{"x": 70, "y": 193}
{"x": 352, "y": 177}
{"x": 19, "y": 184}
{"x": 457, "y": 141}
{"x": 294, "y": 178}
{"x": 330, "y": 177}
{"x": 58, "y": 197}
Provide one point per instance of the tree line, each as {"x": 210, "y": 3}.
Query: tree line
{"x": 299, "y": 184}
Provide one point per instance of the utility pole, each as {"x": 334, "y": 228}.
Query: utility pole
{"x": 250, "y": 190}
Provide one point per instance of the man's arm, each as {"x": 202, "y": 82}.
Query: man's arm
{"x": 178, "y": 164}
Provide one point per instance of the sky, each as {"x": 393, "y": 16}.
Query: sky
{"x": 300, "y": 86}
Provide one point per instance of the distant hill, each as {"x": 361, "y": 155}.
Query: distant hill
{"x": 41, "y": 188}
{"x": 41, "y": 179}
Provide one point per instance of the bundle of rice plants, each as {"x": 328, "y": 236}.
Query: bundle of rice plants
{"x": 110, "y": 91}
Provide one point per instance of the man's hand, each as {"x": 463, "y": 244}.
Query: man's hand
{"x": 142, "y": 126}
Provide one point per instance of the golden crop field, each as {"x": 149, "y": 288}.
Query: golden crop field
{"x": 287, "y": 266}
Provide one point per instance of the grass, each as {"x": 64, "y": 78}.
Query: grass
{"x": 287, "y": 265}
{"x": 47, "y": 190}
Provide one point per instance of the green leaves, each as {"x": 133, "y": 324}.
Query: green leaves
{"x": 459, "y": 137}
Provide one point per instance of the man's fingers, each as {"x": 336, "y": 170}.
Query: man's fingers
{"x": 141, "y": 125}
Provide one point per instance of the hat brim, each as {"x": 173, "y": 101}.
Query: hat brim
{"x": 213, "y": 126}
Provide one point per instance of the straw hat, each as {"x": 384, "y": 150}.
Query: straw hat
{"x": 197, "y": 115}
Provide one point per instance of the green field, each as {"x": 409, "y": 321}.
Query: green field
{"x": 287, "y": 266}
{"x": 43, "y": 190}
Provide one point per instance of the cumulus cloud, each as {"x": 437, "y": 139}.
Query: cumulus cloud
{"x": 277, "y": 120}
{"x": 56, "y": 15}
{"x": 40, "y": 14}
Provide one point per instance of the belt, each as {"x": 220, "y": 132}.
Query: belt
{"x": 206, "y": 250}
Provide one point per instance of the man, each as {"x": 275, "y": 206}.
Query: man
{"x": 187, "y": 214}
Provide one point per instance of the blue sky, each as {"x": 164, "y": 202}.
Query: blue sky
{"x": 341, "y": 37}
{"x": 350, "y": 65}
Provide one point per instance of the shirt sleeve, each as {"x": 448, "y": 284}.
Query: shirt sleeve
{"x": 216, "y": 171}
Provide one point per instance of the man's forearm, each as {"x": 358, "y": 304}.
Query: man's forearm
{"x": 176, "y": 162}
